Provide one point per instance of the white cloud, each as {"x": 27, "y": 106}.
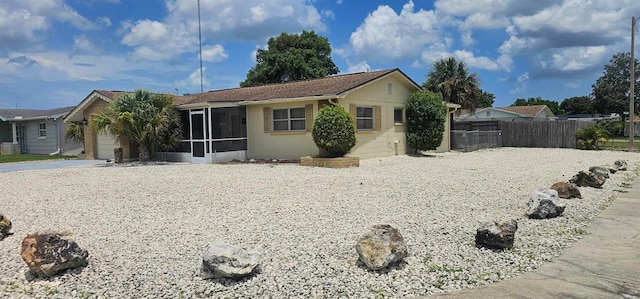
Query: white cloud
{"x": 82, "y": 44}
{"x": 521, "y": 84}
{"x": 328, "y": 14}
{"x": 362, "y": 66}
{"x": 253, "y": 20}
{"x": 193, "y": 80}
{"x": 387, "y": 36}
{"x": 215, "y": 53}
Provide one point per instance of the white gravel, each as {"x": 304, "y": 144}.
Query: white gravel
{"x": 147, "y": 227}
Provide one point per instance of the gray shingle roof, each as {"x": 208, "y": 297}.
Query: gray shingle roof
{"x": 7, "y": 114}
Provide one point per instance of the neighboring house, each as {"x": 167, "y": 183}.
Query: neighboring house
{"x": 275, "y": 120}
{"x": 514, "y": 113}
{"x": 30, "y": 131}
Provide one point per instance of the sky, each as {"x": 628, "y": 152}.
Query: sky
{"x": 53, "y": 53}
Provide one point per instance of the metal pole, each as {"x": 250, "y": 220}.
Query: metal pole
{"x": 200, "y": 41}
{"x": 631, "y": 89}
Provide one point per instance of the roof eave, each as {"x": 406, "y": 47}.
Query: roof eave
{"x": 85, "y": 102}
{"x": 287, "y": 100}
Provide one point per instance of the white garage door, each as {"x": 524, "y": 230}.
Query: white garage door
{"x": 105, "y": 146}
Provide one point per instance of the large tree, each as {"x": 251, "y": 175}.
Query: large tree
{"x": 486, "y": 99}
{"x": 147, "y": 119}
{"x": 292, "y": 57}
{"x": 577, "y": 105}
{"x": 553, "y": 105}
{"x": 451, "y": 78}
{"x": 611, "y": 91}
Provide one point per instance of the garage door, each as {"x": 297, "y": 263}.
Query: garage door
{"x": 105, "y": 146}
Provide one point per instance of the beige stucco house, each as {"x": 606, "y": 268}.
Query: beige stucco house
{"x": 274, "y": 121}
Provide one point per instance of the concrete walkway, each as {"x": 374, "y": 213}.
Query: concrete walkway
{"x": 605, "y": 263}
{"x": 47, "y": 164}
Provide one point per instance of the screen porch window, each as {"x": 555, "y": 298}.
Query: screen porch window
{"x": 289, "y": 119}
{"x": 42, "y": 130}
{"x": 364, "y": 118}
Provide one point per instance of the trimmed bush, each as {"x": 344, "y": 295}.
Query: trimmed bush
{"x": 334, "y": 130}
{"x": 426, "y": 117}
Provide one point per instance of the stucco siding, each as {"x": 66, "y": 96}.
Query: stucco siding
{"x": 381, "y": 143}
{"x": 278, "y": 145}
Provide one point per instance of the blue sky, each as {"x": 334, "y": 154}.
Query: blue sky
{"x": 53, "y": 53}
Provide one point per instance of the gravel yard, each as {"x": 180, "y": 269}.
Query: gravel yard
{"x": 146, "y": 227}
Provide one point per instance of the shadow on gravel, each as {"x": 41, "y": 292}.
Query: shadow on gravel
{"x": 395, "y": 267}
{"x": 228, "y": 282}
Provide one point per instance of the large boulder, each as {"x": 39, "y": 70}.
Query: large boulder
{"x": 587, "y": 179}
{"x": 567, "y": 190}
{"x": 47, "y": 253}
{"x": 600, "y": 171}
{"x": 496, "y": 235}
{"x": 5, "y": 226}
{"x": 382, "y": 246}
{"x": 545, "y": 203}
{"x": 611, "y": 168}
{"x": 222, "y": 260}
{"x": 621, "y": 165}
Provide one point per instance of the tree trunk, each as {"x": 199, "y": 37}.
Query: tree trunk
{"x": 143, "y": 154}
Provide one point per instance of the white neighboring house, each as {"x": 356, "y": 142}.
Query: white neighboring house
{"x": 515, "y": 113}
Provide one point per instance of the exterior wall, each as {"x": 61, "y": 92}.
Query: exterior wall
{"x": 390, "y": 139}
{"x": 446, "y": 138}
{"x": 277, "y": 145}
{"x": 67, "y": 145}
{"x": 494, "y": 114}
{"x": 37, "y": 145}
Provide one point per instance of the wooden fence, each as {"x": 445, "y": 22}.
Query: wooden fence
{"x": 543, "y": 134}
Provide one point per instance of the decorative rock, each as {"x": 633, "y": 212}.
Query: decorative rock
{"x": 611, "y": 168}
{"x": 587, "y": 179}
{"x": 496, "y": 235}
{"x": 567, "y": 190}
{"x": 621, "y": 165}
{"x": 222, "y": 260}
{"x": 5, "y": 226}
{"x": 544, "y": 203}
{"x": 49, "y": 253}
{"x": 381, "y": 247}
{"x": 600, "y": 171}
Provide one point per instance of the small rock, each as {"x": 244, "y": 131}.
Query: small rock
{"x": 600, "y": 171}
{"x": 496, "y": 235}
{"x": 228, "y": 261}
{"x": 51, "y": 252}
{"x": 544, "y": 203}
{"x": 253, "y": 160}
{"x": 621, "y": 165}
{"x": 5, "y": 226}
{"x": 587, "y": 179}
{"x": 567, "y": 190}
{"x": 381, "y": 247}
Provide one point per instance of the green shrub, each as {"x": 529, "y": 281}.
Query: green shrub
{"x": 591, "y": 137}
{"x": 426, "y": 118}
{"x": 334, "y": 130}
{"x": 612, "y": 127}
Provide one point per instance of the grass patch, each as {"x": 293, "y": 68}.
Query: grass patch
{"x": 24, "y": 158}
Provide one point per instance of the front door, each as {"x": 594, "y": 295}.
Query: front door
{"x": 198, "y": 143}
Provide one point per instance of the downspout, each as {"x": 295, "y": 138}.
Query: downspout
{"x": 57, "y": 130}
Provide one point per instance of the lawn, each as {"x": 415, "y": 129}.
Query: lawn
{"x": 23, "y": 158}
{"x": 620, "y": 143}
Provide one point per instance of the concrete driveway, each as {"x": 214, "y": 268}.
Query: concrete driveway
{"x": 50, "y": 164}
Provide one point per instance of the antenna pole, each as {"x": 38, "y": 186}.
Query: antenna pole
{"x": 200, "y": 41}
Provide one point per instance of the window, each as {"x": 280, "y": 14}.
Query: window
{"x": 289, "y": 119}
{"x": 42, "y": 130}
{"x": 364, "y": 118}
{"x": 488, "y": 113}
{"x": 389, "y": 88}
{"x": 398, "y": 116}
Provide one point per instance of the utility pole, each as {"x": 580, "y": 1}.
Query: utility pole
{"x": 200, "y": 41}
{"x": 632, "y": 87}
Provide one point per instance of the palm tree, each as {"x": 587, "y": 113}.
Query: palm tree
{"x": 75, "y": 133}
{"x": 450, "y": 77}
{"x": 147, "y": 119}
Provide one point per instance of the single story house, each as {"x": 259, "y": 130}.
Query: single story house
{"x": 513, "y": 113}
{"x": 274, "y": 121}
{"x": 32, "y": 131}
